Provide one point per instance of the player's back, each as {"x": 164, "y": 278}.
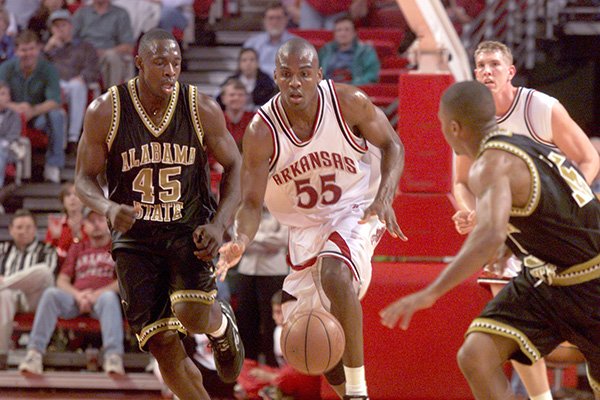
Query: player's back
{"x": 313, "y": 180}
{"x": 561, "y": 222}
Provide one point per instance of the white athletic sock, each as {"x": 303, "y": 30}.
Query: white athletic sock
{"x": 356, "y": 384}
{"x": 544, "y": 396}
{"x": 221, "y": 331}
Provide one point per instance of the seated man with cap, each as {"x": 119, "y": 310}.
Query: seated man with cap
{"x": 86, "y": 284}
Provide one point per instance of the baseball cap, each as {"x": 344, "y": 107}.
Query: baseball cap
{"x": 59, "y": 14}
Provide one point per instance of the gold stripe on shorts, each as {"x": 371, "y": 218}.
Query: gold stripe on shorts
{"x": 490, "y": 326}
{"x": 194, "y": 296}
{"x": 165, "y": 324}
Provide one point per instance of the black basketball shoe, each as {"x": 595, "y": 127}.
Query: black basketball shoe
{"x": 228, "y": 350}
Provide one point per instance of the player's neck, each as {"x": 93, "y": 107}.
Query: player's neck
{"x": 504, "y": 99}
{"x": 152, "y": 104}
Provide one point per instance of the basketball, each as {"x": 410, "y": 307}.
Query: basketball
{"x": 313, "y": 342}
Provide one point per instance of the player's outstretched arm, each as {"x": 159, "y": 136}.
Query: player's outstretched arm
{"x": 364, "y": 117}
{"x": 92, "y": 154}
{"x": 257, "y": 152}
{"x": 491, "y": 186}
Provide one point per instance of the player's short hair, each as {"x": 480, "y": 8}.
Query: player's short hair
{"x": 153, "y": 35}
{"x": 296, "y": 46}
{"x": 492, "y": 46}
{"x": 470, "y": 103}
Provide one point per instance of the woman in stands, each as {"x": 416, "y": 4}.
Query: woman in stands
{"x": 258, "y": 83}
{"x": 65, "y": 229}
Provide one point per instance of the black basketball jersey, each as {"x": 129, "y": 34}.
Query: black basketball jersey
{"x": 560, "y": 225}
{"x": 161, "y": 169}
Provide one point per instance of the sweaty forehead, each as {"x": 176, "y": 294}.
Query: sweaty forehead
{"x": 161, "y": 47}
{"x": 303, "y": 58}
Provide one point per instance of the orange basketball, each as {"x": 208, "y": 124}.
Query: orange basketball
{"x": 313, "y": 342}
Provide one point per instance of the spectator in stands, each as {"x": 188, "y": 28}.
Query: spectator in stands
{"x": 172, "y": 14}
{"x": 462, "y": 12}
{"x": 7, "y": 42}
{"x": 235, "y": 100}
{"x": 22, "y": 10}
{"x": 35, "y": 91}
{"x": 318, "y": 14}
{"x": 267, "y": 43}
{"x": 66, "y": 229}
{"x": 86, "y": 284}
{"x": 261, "y": 272}
{"x": 108, "y": 29}
{"x": 259, "y": 84}
{"x": 10, "y": 129}
{"x": 39, "y": 20}
{"x": 144, "y": 15}
{"x": 11, "y": 29}
{"x": 347, "y": 59}
{"x": 292, "y": 8}
{"x": 78, "y": 67}
{"x": 26, "y": 270}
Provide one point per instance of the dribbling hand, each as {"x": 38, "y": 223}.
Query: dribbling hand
{"x": 387, "y": 216}
{"x": 122, "y": 216}
{"x": 229, "y": 255}
{"x": 404, "y": 308}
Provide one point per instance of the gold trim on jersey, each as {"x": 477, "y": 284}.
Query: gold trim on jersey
{"x": 166, "y": 119}
{"x": 574, "y": 275}
{"x": 165, "y": 324}
{"x": 115, "y": 115}
{"x": 193, "y": 296}
{"x": 193, "y": 95}
{"x": 493, "y": 327}
{"x": 535, "y": 189}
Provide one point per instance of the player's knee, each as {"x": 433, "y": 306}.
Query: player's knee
{"x": 163, "y": 344}
{"x": 467, "y": 358}
{"x": 193, "y": 316}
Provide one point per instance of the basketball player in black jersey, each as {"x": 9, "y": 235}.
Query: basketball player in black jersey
{"x": 151, "y": 135}
{"x": 531, "y": 197}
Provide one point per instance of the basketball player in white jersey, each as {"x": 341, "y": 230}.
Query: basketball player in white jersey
{"x": 541, "y": 117}
{"x": 327, "y": 163}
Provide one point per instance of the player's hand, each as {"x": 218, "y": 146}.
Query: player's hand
{"x": 386, "y": 215}
{"x": 208, "y": 238}
{"x": 229, "y": 255}
{"x": 464, "y": 221}
{"x": 122, "y": 216}
{"x": 404, "y": 308}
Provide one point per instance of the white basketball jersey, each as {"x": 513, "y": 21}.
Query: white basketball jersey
{"x": 312, "y": 181}
{"x": 530, "y": 114}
